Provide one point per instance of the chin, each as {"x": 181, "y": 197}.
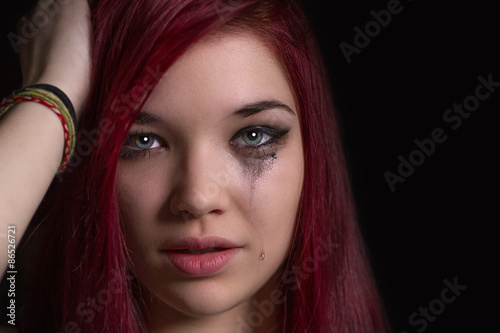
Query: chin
{"x": 203, "y": 304}
{"x": 201, "y": 298}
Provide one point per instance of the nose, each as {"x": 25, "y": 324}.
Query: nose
{"x": 201, "y": 186}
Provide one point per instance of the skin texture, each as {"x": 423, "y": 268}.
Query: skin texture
{"x": 58, "y": 54}
{"x": 201, "y": 178}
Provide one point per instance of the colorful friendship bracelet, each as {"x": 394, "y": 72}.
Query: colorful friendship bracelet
{"x": 53, "y": 98}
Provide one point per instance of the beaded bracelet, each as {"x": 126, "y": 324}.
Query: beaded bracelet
{"x": 53, "y": 98}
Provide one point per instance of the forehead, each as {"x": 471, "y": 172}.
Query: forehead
{"x": 221, "y": 72}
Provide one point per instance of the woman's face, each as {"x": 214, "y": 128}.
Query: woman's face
{"x": 210, "y": 178}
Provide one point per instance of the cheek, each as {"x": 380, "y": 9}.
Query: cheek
{"x": 139, "y": 197}
{"x": 275, "y": 200}
{"x": 142, "y": 187}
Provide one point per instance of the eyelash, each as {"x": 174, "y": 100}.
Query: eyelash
{"x": 275, "y": 137}
{"x": 127, "y": 151}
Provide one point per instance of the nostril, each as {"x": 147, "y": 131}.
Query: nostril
{"x": 194, "y": 199}
{"x": 185, "y": 215}
{"x": 188, "y": 216}
{"x": 217, "y": 212}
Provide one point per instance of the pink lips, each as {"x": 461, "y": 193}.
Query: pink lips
{"x": 201, "y": 257}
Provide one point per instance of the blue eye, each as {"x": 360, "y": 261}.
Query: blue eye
{"x": 249, "y": 139}
{"x": 254, "y": 137}
{"x": 143, "y": 141}
{"x": 139, "y": 143}
{"x": 257, "y": 137}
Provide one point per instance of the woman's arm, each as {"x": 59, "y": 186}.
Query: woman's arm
{"x": 31, "y": 148}
{"x": 31, "y": 135}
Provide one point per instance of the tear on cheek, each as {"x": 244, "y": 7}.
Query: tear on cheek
{"x": 257, "y": 166}
{"x": 256, "y": 163}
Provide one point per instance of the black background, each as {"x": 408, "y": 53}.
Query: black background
{"x": 439, "y": 224}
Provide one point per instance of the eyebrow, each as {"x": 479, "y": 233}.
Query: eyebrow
{"x": 254, "y": 108}
{"x": 146, "y": 117}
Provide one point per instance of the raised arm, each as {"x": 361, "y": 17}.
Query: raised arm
{"x": 31, "y": 134}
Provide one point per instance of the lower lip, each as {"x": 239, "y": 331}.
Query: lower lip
{"x": 199, "y": 265}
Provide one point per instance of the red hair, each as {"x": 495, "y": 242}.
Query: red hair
{"x": 84, "y": 281}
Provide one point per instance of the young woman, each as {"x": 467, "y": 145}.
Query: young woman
{"x": 207, "y": 190}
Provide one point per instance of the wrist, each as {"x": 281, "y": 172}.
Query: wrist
{"x": 76, "y": 95}
{"x": 57, "y": 101}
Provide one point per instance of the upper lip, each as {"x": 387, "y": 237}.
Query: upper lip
{"x": 194, "y": 243}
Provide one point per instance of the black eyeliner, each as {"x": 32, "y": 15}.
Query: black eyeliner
{"x": 126, "y": 152}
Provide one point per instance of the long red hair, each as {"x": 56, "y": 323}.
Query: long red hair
{"x": 83, "y": 278}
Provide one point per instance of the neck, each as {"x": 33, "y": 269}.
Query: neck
{"x": 256, "y": 315}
